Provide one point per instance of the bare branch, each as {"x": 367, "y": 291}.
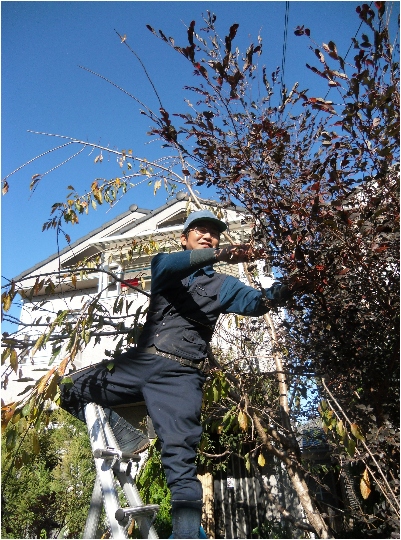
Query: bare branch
{"x": 37, "y": 157}
{"x": 143, "y": 66}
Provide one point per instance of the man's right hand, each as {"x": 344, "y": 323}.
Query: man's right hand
{"x": 239, "y": 253}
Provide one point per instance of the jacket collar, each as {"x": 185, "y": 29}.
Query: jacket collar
{"x": 207, "y": 270}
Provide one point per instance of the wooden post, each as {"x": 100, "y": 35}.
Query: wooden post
{"x": 208, "y": 503}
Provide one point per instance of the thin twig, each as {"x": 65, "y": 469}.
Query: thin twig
{"x": 67, "y": 272}
{"x": 227, "y": 452}
{"x": 152, "y": 114}
{"x": 37, "y": 157}
{"x": 62, "y": 163}
{"x": 105, "y": 149}
{"x": 142, "y": 64}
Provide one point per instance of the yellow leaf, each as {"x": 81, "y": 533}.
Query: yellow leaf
{"x": 52, "y": 388}
{"x": 38, "y": 343}
{"x": 74, "y": 281}
{"x": 5, "y": 354}
{"x": 14, "y": 360}
{"x": 7, "y": 413}
{"x": 157, "y": 185}
{"x": 261, "y": 460}
{"x": 340, "y": 428}
{"x": 63, "y": 365}
{"x": 43, "y": 381}
{"x": 243, "y": 421}
{"x": 247, "y": 462}
{"x": 356, "y": 432}
{"x": 365, "y": 484}
{"x": 98, "y": 195}
{"x": 6, "y": 301}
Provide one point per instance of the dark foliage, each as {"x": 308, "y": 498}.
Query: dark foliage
{"x": 320, "y": 180}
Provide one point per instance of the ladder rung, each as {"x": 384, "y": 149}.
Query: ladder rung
{"x": 135, "y": 511}
{"x": 111, "y": 453}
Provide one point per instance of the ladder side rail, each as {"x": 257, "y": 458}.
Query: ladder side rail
{"x": 96, "y": 422}
{"x": 111, "y": 440}
{"x": 95, "y": 509}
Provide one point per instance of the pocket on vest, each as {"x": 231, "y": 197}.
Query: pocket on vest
{"x": 195, "y": 340}
{"x": 203, "y": 292}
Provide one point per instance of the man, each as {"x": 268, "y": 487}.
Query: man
{"x": 166, "y": 368}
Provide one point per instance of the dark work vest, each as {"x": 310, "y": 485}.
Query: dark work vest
{"x": 181, "y": 320}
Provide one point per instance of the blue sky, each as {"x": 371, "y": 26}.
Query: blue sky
{"x": 43, "y": 89}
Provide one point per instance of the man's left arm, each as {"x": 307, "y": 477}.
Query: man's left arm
{"x": 236, "y": 297}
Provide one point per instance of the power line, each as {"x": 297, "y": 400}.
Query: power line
{"x": 287, "y": 9}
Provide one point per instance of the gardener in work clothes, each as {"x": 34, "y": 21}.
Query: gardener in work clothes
{"x": 165, "y": 369}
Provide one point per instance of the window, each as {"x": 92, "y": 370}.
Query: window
{"x": 137, "y": 277}
{"x": 108, "y": 286}
{"x": 134, "y": 282}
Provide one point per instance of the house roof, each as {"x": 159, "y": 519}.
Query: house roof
{"x": 78, "y": 242}
{"x": 134, "y": 211}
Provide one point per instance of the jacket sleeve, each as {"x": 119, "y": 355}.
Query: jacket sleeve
{"x": 168, "y": 267}
{"x": 236, "y": 297}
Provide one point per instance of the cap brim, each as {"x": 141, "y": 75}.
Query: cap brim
{"x": 221, "y": 226}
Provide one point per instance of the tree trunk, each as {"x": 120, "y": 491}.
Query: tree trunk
{"x": 312, "y": 513}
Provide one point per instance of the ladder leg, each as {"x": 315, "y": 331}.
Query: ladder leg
{"x": 111, "y": 464}
{"x": 134, "y": 498}
{"x": 128, "y": 484}
{"x": 95, "y": 509}
{"x": 104, "y": 470}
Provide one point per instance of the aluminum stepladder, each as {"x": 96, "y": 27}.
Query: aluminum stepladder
{"x": 111, "y": 466}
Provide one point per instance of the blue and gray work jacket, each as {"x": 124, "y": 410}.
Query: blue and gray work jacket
{"x": 187, "y": 297}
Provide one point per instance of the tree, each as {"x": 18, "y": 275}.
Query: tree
{"x": 326, "y": 205}
{"x": 320, "y": 181}
{"x": 50, "y": 487}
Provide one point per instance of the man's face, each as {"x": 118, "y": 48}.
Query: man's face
{"x": 201, "y": 235}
